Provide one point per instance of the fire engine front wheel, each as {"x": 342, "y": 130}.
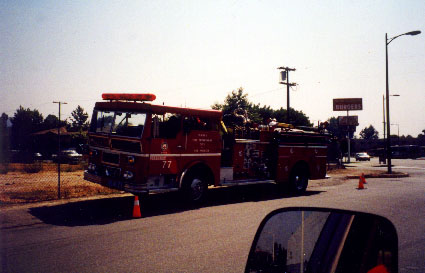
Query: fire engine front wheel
{"x": 299, "y": 179}
{"x": 195, "y": 188}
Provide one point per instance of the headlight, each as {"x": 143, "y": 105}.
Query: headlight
{"x": 91, "y": 167}
{"x": 130, "y": 159}
{"x": 128, "y": 175}
{"x": 93, "y": 153}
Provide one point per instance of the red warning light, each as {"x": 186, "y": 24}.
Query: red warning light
{"x": 130, "y": 97}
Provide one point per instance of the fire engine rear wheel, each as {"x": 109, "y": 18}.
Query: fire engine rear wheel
{"x": 195, "y": 188}
{"x": 298, "y": 179}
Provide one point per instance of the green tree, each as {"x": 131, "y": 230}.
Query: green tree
{"x": 51, "y": 121}
{"x": 369, "y": 133}
{"x": 235, "y": 105}
{"x": 79, "y": 119}
{"x": 262, "y": 114}
{"x": 421, "y": 139}
{"x": 334, "y": 128}
{"x": 4, "y": 137}
{"x": 298, "y": 118}
{"x": 237, "y": 102}
{"x": 3, "y": 121}
{"x": 25, "y": 122}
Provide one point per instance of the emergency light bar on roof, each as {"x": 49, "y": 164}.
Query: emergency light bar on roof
{"x": 128, "y": 97}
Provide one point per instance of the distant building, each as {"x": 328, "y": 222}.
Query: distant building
{"x": 46, "y": 141}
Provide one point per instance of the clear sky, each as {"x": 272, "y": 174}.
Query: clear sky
{"x": 194, "y": 53}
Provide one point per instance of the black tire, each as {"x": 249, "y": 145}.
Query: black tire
{"x": 298, "y": 180}
{"x": 195, "y": 187}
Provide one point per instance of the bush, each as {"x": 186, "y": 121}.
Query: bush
{"x": 33, "y": 168}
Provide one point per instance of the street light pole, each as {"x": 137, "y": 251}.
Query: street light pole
{"x": 387, "y": 106}
{"x": 383, "y": 108}
{"x": 59, "y": 148}
{"x": 387, "y": 42}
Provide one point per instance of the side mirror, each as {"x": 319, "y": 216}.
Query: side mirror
{"x": 323, "y": 240}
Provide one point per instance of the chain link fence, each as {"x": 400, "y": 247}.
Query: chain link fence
{"x": 38, "y": 181}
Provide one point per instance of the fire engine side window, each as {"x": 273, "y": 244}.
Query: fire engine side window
{"x": 104, "y": 121}
{"x": 129, "y": 124}
{"x": 200, "y": 124}
{"x": 165, "y": 126}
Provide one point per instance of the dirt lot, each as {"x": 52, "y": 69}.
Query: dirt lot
{"x": 19, "y": 185}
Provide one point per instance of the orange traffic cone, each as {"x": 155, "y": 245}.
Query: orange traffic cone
{"x": 361, "y": 186}
{"x": 364, "y": 179}
{"x": 136, "y": 208}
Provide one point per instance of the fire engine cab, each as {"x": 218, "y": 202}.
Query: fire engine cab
{"x": 139, "y": 147}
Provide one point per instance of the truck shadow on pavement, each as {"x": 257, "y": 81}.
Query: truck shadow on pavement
{"x": 109, "y": 210}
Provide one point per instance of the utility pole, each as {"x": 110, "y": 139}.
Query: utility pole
{"x": 285, "y": 75}
{"x": 59, "y": 148}
{"x": 348, "y": 139}
{"x": 383, "y": 110}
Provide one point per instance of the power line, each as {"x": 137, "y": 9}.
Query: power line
{"x": 265, "y": 92}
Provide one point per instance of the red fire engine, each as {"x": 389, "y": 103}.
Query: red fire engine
{"x": 142, "y": 148}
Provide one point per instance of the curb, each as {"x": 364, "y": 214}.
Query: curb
{"x": 47, "y": 203}
{"x": 383, "y": 175}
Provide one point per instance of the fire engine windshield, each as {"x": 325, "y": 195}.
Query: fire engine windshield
{"x": 118, "y": 123}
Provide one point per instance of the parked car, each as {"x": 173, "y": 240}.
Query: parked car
{"x": 18, "y": 156}
{"x": 37, "y": 156}
{"x": 362, "y": 157}
{"x": 67, "y": 156}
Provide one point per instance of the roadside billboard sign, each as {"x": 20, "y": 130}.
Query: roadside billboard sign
{"x": 348, "y": 120}
{"x": 351, "y": 104}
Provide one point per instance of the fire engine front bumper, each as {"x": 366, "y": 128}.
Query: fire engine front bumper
{"x": 115, "y": 184}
